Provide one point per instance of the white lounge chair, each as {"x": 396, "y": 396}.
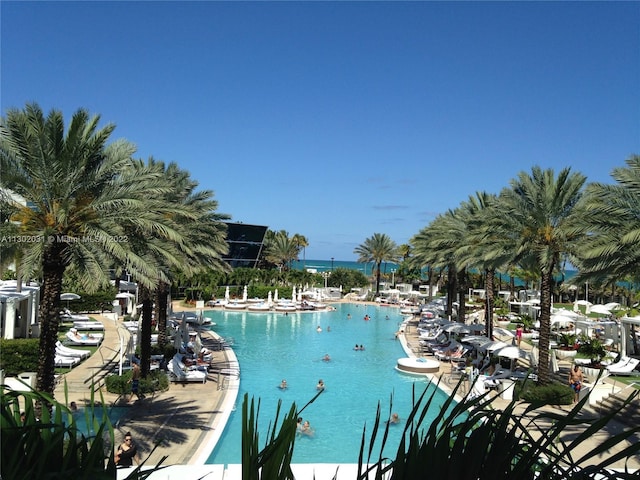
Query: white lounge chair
{"x": 67, "y": 315}
{"x": 181, "y": 373}
{"x": 626, "y": 366}
{"x": 88, "y": 325}
{"x": 84, "y": 339}
{"x": 66, "y": 361}
{"x": 71, "y": 352}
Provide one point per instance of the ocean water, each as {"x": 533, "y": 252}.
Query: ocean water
{"x": 387, "y": 267}
{"x": 327, "y": 265}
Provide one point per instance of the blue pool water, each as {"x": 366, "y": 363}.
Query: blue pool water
{"x": 274, "y": 346}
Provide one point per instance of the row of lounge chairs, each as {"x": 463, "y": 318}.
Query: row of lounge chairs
{"x": 69, "y": 357}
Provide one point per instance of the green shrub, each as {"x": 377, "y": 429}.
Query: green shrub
{"x": 19, "y": 355}
{"x": 156, "y": 381}
{"x": 552, "y": 394}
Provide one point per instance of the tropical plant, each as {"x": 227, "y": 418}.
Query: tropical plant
{"x": 611, "y": 252}
{"x": 543, "y": 223}
{"x": 281, "y": 249}
{"x": 378, "y": 248}
{"x": 436, "y": 245}
{"x": 75, "y": 201}
{"x": 592, "y": 348}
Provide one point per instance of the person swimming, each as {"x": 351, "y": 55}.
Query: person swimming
{"x": 320, "y": 385}
{"x": 283, "y": 384}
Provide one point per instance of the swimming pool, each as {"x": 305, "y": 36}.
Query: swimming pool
{"x": 274, "y": 346}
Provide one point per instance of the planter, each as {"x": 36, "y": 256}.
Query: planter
{"x": 592, "y": 373}
{"x": 562, "y": 354}
{"x": 503, "y": 323}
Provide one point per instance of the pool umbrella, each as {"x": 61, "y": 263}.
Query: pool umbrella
{"x": 69, "y": 297}
{"x": 275, "y": 296}
{"x": 197, "y": 345}
{"x": 226, "y": 294}
{"x": 600, "y": 309}
{"x": 244, "y": 294}
{"x": 495, "y": 345}
{"x": 269, "y": 299}
{"x": 476, "y": 327}
{"x": 512, "y": 352}
{"x": 456, "y": 328}
{"x": 293, "y": 294}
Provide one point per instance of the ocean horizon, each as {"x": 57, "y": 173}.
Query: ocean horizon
{"x": 321, "y": 266}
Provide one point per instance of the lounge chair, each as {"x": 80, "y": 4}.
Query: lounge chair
{"x": 67, "y": 315}
{"x": 84, "y": 339}
{"x": 87, "y": 325}
{"x": 66, "y": 361}
{"x": 626, "y": 366}
{"x": 181, "y": 373}
{"x": 71, "y": 352}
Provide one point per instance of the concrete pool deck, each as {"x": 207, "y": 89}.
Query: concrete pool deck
{"x": 190, "y": 417}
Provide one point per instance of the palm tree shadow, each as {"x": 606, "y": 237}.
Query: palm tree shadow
{"x": 168, "y": 422}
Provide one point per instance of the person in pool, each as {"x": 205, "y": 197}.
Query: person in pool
{"x": 320, "y": 385}
{"x": 326, "y": 358}
{"x": 283, "y": 384}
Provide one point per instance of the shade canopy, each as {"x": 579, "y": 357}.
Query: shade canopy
{"x": 512, "y": 352}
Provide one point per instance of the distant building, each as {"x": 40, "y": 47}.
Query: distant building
{"x": 245, "y": 244}
{"x": 19, "y": 310}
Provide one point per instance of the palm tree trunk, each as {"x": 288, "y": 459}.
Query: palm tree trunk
{"x": 378, "y": 278}
{"x": 162, "y": 293}
{"x": 145, "y": 331}
{"x": 461, "y": 285}
{"x": 544, "y": 373}
{"x": 52, "y": 273}
{"x": 451, "y": 288}
{"x": 489, "y": 301}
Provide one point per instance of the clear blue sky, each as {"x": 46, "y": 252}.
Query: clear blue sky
{"x": 338, "y": 120}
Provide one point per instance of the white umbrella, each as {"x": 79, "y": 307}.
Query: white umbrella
{"x": 583, "y": 302}
{"x": 495, "y": 345}
{"x": 512, "y": 352}
{"x": 226, "y": 294}
{"x": 562, "y": 320}
{"x": 476, "y": 327}
{"x": 269, "y": 299}
{"x": 293, "y": 294}
{"x": 275, "y": 296}
{"x": 184, "y": 329}
{"x": 244, "y": 294}
{"x": 299, "y": 295}
{"x": 68, "y": 297}
{"x": 600, "y": 309}
{"x": 456, "y": 328}
{"x": 197, "y": 345}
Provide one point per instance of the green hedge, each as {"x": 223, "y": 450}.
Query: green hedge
{"x": 19, "y": 355}
{"x": 552, "y": 394}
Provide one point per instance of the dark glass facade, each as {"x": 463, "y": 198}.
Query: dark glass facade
{"x": 245, "y": 244}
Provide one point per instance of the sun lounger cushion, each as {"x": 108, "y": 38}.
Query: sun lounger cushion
{"x": 85, "y": 339}
{"x": 88, "y": 325}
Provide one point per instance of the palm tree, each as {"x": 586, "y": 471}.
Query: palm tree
{"x": 77, "y": 203}
{"x": 192, "y": 238}
{"x": 302, "y": 243}
{"x": 540, "y": 217}
{"x": 378, "y": 248}
{"x": 612, "y": 250}
{"x": 281, "y": 250}
{"x": 436, "y": 245}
